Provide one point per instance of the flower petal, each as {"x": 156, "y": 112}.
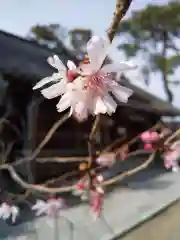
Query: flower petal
{"x": 14, "y": 213}
{"x": 122, "y": 66}
{"x": 97, "y": 50}
{"x": 5, "y": 211}
{"x": 71, "y": 65}
{"x": 55, "y": 90}
{"x": 81, "y": 111}
{"x": 40, "y": 207}
{"x": 145, "y": 136}
{"x": 110, "y": 104}
{"x": 39, "y": 204}
{"x": 176, "y": 168}
{"x": 121, "y": 93}
{"x": 154, "y": 136}
{"x": 55, "y": 62}
{"x": 64, "y": 103}
{"x": 53, "y": 78}
{"x": 99, "y": 107}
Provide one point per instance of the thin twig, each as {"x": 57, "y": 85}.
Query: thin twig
{"x": 7, "y": 151}
{"x": 130, "y": 172}
{"x": 62, "y": 159}
{"x": 91, "y": 138}
{"x": 46, "y": 139}
{"x": 133, "y": 140}
{"x": 175, "y": 134}
{"x": 33, "y": 187}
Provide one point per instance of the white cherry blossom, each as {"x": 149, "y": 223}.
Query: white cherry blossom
{"x": 90, "y": 93}
{"x": 50, "y": 207}
{"x": 58, "y": 80}
{"x": 8, "y": 211}
{"x": 87, "y": 89}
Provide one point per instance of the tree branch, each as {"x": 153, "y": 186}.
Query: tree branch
{"x": 120, "y": 11}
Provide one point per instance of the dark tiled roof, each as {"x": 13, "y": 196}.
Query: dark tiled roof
{"x": 26, "y": 58}
{"x": 151, "y": 101}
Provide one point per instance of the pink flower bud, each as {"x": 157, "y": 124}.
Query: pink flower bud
{"x": 154, "y": 136}
{"x": 80, "y": 186}
{"x": 106, "y": 159}
{"x": 145, "y": 136}
{"x": 148, "y": 146}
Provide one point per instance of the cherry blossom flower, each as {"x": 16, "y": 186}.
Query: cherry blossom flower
{"x": 94, "y": 193}
{"x": 90, "y": 92}
{"x": 59, "y": 79}
{"x": 96, "y": 203}
{"x": 86, "y": 89}
{"x": 81, "y": 190}
{"x": 149, "y": 137}
{"x": 170, "y": 157}
{"x": 9, "y": 211}
{"x": 50, "y": 207}
{"x": 106, "y": 159}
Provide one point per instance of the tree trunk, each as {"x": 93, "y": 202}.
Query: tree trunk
{"x": 164, "y": 70}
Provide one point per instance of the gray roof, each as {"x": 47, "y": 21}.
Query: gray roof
{"x": 151, "y": 101}
{"x": 27, "y": 59}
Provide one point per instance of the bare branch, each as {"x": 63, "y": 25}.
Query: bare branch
{"x": 130, "y": 172}
{"x": 120, "y": 11}
{"x": 33, "y": 187}
{"x": 48, "y": 136}
{"x": 7, "y": 151}
{"x": 62, "y": 159}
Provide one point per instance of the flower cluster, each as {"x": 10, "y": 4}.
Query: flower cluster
{"x": 94, "y": 194}
{"x": 8, "y": 210}
{"x": 148, "y": 138}
{"x": 50, "y": 207}
{"x": 171, "y": 157}
{"x": 170, "y": 153}
{"x": 86, "y": 89}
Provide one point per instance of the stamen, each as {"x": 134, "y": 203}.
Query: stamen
{"x": 85, "y": 60}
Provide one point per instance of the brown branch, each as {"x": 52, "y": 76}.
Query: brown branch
{"x": 62, "y": 159}
{"x": 130, "y": 172}
{"x": 44, "y": 189}
{"x": 175, "y": 134}
{"x": 133, "y": 140}
{"x": 7, "y": 151}
{"x": 120, "y": 11}
{"x": 91, "y": 138}
{"x": 19, "y": 197}
{"x": 33, "y": 187}
{"x": 46, "y": 139}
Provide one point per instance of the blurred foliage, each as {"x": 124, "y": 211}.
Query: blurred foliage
{"x": 54, "y": 36}
{"x": 51, "y": 35}
{"x": 153, "y": 31}
{"x": 79, "y": 38}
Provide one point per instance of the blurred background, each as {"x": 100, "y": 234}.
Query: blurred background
{"x": 149, "y": 35}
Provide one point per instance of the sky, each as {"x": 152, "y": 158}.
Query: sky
{"x": 17, "y": 16}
